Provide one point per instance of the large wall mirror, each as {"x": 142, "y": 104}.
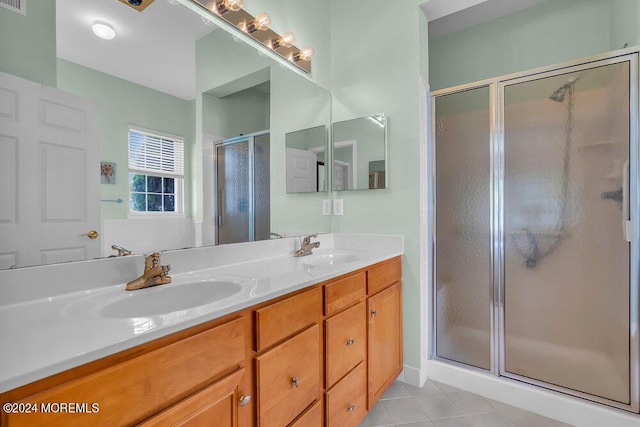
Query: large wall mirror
{"x": 359, "y": 153}
{"x": 170, "y": 74}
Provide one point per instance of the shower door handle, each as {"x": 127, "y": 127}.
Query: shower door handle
{"x": 627, "y": 225}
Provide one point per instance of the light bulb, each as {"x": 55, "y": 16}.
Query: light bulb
{"x": 234, "y": 5}
{"x": 262, "y": 21}
{"x": 103, "y": 30}
{"x": 305, "y": 54}
{"x": 287, "y": 39}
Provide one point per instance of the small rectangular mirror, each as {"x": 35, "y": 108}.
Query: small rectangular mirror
{"x": 305, "y": 160}
{"x": 359, "y": 153}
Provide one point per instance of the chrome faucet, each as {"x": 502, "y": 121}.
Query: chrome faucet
{"x": 276, "y": 236}
{"x": 121, "y": 251}
{"x": 154, "y": 274}
{"x": 307, "y": 247}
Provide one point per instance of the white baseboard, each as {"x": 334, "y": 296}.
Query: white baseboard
{"x": 413, "y": 376}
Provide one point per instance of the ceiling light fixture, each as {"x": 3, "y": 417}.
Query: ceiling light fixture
{"x": 104, "y": 30}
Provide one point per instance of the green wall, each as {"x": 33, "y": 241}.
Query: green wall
{"x": 242, "y": 112}
{"x": 122, "y": 103}
{"x": 28, "y": 43}
{"x": 377, "y": 68}
{"x": 551, "y": 32}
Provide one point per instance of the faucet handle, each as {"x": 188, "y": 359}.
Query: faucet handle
{"x": 307, "y": 239}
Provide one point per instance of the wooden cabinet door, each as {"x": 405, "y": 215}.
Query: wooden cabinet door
{"x": 215, "y": 405}
{"x": 385, "y": 341}
{"x": 346, "y": 401}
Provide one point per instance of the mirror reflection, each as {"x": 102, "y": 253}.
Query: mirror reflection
{"x": 359, "y": 153}
{"x": 168, "y": 89}
{"x": 305, "y": 160}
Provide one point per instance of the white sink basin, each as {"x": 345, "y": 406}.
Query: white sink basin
{"x": 168, "y": 298}
{"x": 328, "y": 258}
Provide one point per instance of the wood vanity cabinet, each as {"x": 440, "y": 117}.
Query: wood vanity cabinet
{"x": 363, "y": 340}
{"x": 321, "y": 356}
{"x": 288, "y": 375}
{"x": 131, "y": 386}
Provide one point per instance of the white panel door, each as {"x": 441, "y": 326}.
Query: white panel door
{"x": 301, "y": 171}
{"x": 49, "y": 179}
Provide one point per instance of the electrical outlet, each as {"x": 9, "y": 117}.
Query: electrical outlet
{"x": 326, "y": 207}
{"x": 338, "y": 207}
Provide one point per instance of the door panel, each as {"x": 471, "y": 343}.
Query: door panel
{"x": 566, "y": 260}
{"x": 233, "y": 192}
{"x": 462, "y": 234}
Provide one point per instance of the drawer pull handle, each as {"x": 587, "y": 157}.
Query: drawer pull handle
{"x": 351, "y": 408}
{"x": 244, "y": 400}
{"x": 351, "y": 342}
{"x": 374, "y": 312}
{"x": 296, "y": 381}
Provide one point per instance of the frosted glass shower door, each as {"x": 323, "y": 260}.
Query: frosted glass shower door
{"x": 566, "y": 259}
{"x": 233, "y": 178}
{"x": 261, "y": 187}
{"x": 463, "y": 293}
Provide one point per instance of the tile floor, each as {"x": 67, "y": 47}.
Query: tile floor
{"x": 440, "y": 405}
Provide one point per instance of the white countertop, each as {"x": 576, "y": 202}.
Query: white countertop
{"x": 52, "y": 318}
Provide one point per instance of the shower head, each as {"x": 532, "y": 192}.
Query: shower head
{"x": 558, "y": 95}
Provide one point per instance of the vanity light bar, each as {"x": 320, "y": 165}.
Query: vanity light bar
{"x": 258, "y": 29}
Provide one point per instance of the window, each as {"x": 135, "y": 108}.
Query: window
{"x": 156, "y": 171}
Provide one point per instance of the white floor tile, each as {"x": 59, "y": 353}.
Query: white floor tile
{"x": 469, "y": 403}
{"x": 437, "y": 406}
{"x": 404, "y": 410}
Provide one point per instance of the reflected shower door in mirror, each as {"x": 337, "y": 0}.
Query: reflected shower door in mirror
{"x": 242, "y": 176}
{"x": 213, "y": 89}
{"x": 359, "y": 153}
{"x": 305, "y": 160}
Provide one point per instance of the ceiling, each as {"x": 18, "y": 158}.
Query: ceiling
{"x": 448, "y": 16}
{"x": 154, "y": 48}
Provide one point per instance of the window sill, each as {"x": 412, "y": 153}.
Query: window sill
{"x": 155, "y": 215}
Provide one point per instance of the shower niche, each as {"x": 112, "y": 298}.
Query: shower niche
{"x": 535, "y": 276}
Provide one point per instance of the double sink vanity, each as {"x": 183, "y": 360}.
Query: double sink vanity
{"x": 244, "y": 334}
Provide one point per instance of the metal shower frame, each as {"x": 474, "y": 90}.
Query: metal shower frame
{"x": 497, "y": 87}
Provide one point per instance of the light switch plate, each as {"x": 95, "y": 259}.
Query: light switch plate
{"x": 338, "y": 207}
{"x": 326, "y": 207}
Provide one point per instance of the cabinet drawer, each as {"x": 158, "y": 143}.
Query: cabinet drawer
{"x": 281, "y": 398}
{"x": 345, "y": 292}
{"x": 346, "y": 342}
{"x": 311, "y": 418}
{"x": 137, "y": 388}
{"x": 384, "y": 275}
{"x": 347, "y": 401}
{"x": 213, "y": 405}
{"x": 283, "y": 319}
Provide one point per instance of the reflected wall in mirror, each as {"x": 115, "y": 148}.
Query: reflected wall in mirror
{"x": 359, "y": 153}
{"x": 167, "y": 71}
{"x": 306, "y": 160}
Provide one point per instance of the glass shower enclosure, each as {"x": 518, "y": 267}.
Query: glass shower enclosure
{"x": 243, "y": 189}
{"x": 535, "y": 249}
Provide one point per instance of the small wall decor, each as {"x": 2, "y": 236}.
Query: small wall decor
{"x": 107, "y": 173}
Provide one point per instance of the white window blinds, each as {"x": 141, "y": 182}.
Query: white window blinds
{"x": 149, "y": 152}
